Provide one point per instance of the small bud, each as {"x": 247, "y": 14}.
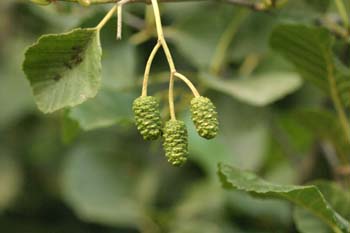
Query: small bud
{"x": 204, "y": 117}
{"x": 175, "y": 142}
{"x": 147, "y": 117}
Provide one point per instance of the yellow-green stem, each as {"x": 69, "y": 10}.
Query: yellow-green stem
{"x": 110, "y": 13}
{"x": 148, "y": 68}
{"x": 188, "y": 82}
{"x": 119, "y": 22}
{"x": 169, "y": 58}
{"x": 171, "y": 97}
{"x": 161, "y": 35}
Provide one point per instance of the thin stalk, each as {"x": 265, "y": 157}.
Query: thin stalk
{"x": 110, "y": 13}
{"x": 161, "y": 35}
{"x": 171, "y": 97}
{"x": 242, "y": 3}
{"x": 148, "y": 68}
{"x": 119, "y": 22}
{"x": 169, "y": 58}
{"x": 188, "y": 82}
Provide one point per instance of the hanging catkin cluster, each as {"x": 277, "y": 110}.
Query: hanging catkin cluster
{"x": 147, "y": 117}
{"x": 174, "y": 134}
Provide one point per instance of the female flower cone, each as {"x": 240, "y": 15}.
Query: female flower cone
{"x": 147, "y": 117}
{"x": 175, "y": 142}
{"x": 204, "y": 117}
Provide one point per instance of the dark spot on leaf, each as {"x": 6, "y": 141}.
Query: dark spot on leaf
{"x": 68, "y": 65}
{"x": 57, "y": 77}
{"x": 77, "y": 48}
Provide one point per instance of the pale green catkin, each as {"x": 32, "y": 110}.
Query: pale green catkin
{"x": 204, "y": 117}
{"x": 147, "y": 117}
{"x": 175, "y": 142}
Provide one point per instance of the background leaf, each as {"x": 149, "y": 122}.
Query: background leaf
{"x": 259, "y": 90}
{"x": 100, "y": 188}
{"x": 310, "y": 50}
{"x": 307, "y": 197}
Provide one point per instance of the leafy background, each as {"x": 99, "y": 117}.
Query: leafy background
{"x": 86, "y": 169}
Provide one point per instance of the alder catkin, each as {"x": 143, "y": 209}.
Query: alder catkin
{"x": 175, "y": 142}
{"x": 204, "y": 117}
{"x": 147, "y": 117}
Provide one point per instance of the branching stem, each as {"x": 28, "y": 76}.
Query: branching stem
{"x": 188, "y": 82}
{"x": 110, "y": 13}
{"x": 243, "y": 3}
{"x": 173, "y": 73}
{"x": 169, "y": 58}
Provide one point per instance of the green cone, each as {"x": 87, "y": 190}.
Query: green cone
{"x": 204, "y": 117}
{"x": 175, "y": 142}
{"x": 147, "y": 117}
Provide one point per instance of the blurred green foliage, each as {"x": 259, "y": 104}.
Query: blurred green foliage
{"x": 86, "y": 168}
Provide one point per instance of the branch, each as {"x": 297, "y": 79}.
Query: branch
{"x": 243, "y": 3}
{"x": 131, "y": 1}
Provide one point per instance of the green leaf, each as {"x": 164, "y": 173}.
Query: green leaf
{"x": 108, "y": 108}
{"x": 100, "y": 186}
{"x": 307, "y": 197}
{"x": 64, "y": 70}
{"x": 336, "y": 196}
{"x": 324, "y": 125}
{"x": 310, "y": 50}
{"x": 197, "y": 34}
{"x": 258, "y": 91}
